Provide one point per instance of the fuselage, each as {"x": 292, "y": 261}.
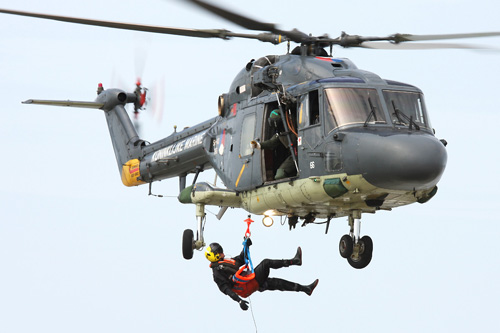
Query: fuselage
{"x": 358, "y": 141}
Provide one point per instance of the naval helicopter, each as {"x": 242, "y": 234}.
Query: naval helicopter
{"x": 359, "y": 143}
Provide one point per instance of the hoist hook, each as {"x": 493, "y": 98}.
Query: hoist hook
{"x": 248, "y": 222}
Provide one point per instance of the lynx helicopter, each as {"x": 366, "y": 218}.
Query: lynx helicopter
{"x": 359, "y": 143}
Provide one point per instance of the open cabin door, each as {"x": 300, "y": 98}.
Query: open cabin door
{"x": 246, "y": 163}
{"x": 279, "y": 142}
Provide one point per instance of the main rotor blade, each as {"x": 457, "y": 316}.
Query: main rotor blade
{"x": 347, "y": 40}
{"x": 240, "y": 20}
{"x": 421, "y": 46}
{"x": 202, "y": 33}
{"x": 251, "y": 24}
{"x": 127, "y": 26}
{"x": 409, "y": 37}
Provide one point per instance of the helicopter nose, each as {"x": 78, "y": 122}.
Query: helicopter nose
{"x": 402, "y": 161}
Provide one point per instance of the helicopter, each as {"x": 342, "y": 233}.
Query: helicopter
{"x": 359, "y": 143}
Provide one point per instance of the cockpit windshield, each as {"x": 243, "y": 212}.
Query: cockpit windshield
{"x": 406, "y": 108}
{"x": 347, "y": 106}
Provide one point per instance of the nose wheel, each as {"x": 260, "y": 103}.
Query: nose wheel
{"x": 357, "y": 251}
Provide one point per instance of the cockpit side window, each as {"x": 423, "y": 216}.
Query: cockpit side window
{"x": 313, "y": 107}
{"x": 309, "y": 109}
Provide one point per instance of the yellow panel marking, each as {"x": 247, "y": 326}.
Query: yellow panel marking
{"x": 241, "y": 172}
{"x": 131, "y": 173}
{"x": 300, "y": 117}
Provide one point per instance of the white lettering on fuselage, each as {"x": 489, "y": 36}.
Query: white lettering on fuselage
{"x": 179, "y": 146}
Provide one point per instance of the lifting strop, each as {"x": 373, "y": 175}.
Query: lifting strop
{"x": 244, "y": 279}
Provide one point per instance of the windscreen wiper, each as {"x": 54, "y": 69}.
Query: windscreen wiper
{"x": 400, "y": 114}
{"x": 371, "y": 114}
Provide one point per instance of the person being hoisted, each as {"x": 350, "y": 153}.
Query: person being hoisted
{"x": 231, "y": 281}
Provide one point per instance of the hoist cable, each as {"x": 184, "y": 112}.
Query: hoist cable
{"x": 253, "y": 317}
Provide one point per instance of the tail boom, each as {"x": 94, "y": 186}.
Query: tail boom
{"x": 138, "y": 162}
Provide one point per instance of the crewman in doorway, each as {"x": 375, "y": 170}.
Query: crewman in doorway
{"x": 287, "y": 168}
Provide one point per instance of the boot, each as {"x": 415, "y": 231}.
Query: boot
{"x": 297, "y": 260}
{"x": 310, "y": 288}
{"x": 276, "y": 263}
{"x": 284, "y": 285}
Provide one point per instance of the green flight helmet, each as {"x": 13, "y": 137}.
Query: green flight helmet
{"x": 274, "y": 118}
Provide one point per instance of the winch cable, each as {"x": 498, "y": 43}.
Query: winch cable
{"x": 248, "y": 262}
{"x": 253, "y": 317}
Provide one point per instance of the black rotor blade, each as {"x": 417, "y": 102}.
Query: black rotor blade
{"x": 240, "y": 20}
{"x": 202, "y": 33}
{"x": 251, "y": 24}
{"x": 118, "y": 25}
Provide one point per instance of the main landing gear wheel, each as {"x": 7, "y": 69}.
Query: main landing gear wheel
{"x": 188, "y": 244}
{"x": 358, "y": 251}
{"x": 345, "y": 246}
{"x": 364, "y": 255}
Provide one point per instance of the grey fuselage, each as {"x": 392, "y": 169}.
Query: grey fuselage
{"x": 359, "y": 141}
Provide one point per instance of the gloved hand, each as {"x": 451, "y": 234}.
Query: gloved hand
{"x": 255, "y": 144}
{"x": 243, "y": 305}
{"x": 249, "y": 241}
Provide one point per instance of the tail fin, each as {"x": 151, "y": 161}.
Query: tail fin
{"x": 126, "y": 142}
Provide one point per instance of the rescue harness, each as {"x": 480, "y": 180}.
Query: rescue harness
{"x": 244, "y": 279}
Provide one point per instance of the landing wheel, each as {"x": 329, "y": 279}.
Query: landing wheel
{"x": 364, "y": 253}
{"x": 367, "y": 243}
{"x": 345, "y": 246}
{"x": 188, "y": 244}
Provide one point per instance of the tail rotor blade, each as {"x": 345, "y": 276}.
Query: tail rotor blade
{"x": 158, "y": 100}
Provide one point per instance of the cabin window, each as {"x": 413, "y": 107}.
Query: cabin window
{"x": 247, "y": 134}
{"x": 348, "y": 106}
{"x": 406, "y": 105}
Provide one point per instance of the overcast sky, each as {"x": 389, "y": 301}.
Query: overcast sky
{"x": 79, "y": 252}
